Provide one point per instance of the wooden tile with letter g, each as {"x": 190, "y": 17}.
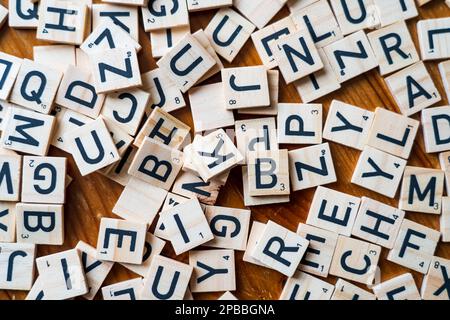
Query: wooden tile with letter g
{"x": 164, "y": 14}
{"x": 347, "y": 291}
{"x": 303, "y": 286}
{"x": 402, "y": 287}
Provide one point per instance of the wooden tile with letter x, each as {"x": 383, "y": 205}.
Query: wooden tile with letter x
{"x": 392, "y": 133}
{"x": 445, "y": 219}
{"x": 10, "y": 173}
{"x": 303, "y": 286}
{"x": 377, "y": 222}
{"x": 434, "y": 35}
{"x": 214, "y": 270}
{"x": 347, "y": 291}
{"x": 256, "y": 232}
{"x": 163, "y": 40}
{"x": 200, "y": 5}
{"x": 317, "y": 259}
{"x": 17, "y": 266}
{"x": 390, "y": 12}
{"x": 436, "y": 283}
{"x": 311, "y": 166}
{"x": 333, "y": 210}
{"x": 414, "y": 247}
{"x": 58, "y": 56}
{"x": 379, "y": 171}
{"x": 125, "y": 17}
{"x": 422, "y": 190}
{"x": 124, "y": 290}
{"x": 167, "y": 279}
{"x": 444, "y": 70}
{"x": 259, "y": 12}
{"x": 355, "y": 15}
{"x": 299, "y": 123}
{"x": 436, "y": 129}
{"x": 355, "y": 260}
{"x": 401, "y": 287}
{"x": 444, "y": 160}
{"x": 413, "y": 89}
{"x": 8, "y": 221}
{"x": 9, "y": 68}
{"x": 121, "y": 241}
{"x": 280, "y": 249}
{"x": 164, "y": 14}
{"x": 23, "y": 14}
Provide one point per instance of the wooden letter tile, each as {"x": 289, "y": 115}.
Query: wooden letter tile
{"x": 200, "y": 5}
{"x": 444, "y": 69}
{"x": 124, "y": 290}
{"x": 259, "y": 12}
{"x": 390, "y": 11}
{"x": 125, "y": 17}
{"x": 8, "y": 222}
{"x": 436, "y": 129}
{"x": 163, "y": 40}
{"x": 434, "y": 36}
{"x": 347, "y": 291}
{"x": 17, "y": 266}
{"x": 58, "y": 56}
{"x": 299, "y": 123}
{"x": 9, "y": 69}
{"x": 164, "y": 14}
{"x": 303, "y": 286}
{"x": 10, "y": 173}
{"x": 401, "y": 287}
{"x": 435, "y": 285}
{"x": 355, "y": 15}
{"x": 256, "y": 232}
{"x": 23, "y": 16}
{"x": 445, "y": 219}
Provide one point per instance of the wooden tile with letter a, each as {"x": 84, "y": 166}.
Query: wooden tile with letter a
{"x": 303, "y": 286}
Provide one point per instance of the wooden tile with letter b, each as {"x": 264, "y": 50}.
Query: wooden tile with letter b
{"x": 11, "y": 170}
{"x": 402, "y": 287}
{"x": 303, "y": 286}
{"x": 17, "y": 266}
{"x": 299, "y": 123}
{"x": 436, "y": 129}
{"x": 7, "y": 221}
{"x": 124, "y": 290}
{"x": 434, "y": 36}
{"x": 347, "y": 291}
{"x": 436, "y": 283}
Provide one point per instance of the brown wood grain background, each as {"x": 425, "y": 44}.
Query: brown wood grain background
{"x": 92, "y": 197}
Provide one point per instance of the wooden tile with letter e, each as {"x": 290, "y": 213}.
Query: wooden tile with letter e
{"x": 259, "y": 12}
{"x": 164, "y": 14}
{"x": 8, "y": 221}
{"x": 436, "y": 129}
{"x": 125, "y": 17}
{"x": 390, "y": 12}
{"x": 124, "y": 290}
{"x": 11, "y": 171}
{"x": 401, "y": 287}
{"x": 355, "y": 15}
{"x": 445, "y": 219}
{"x": 299, "y": 123}
{"x": 9, "y": 68}
{"x": 347, "y": 291}
{"x": 435, "y": 285}
{"x": 23, "y": 14}
{"x": 303, "y": 286}
{"x": 434, "y": 35}
{"x": 17, "y": 266}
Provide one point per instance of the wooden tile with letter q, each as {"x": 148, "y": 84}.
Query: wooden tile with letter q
{"x": 379, "y": 171}
{"x": 333, "y": 210}
{"x": 422, "y": 190}
{"x": 377, "y": 222}
{"x": 125, "y": 17}
{"x": 23, "y": 14}
{"x": 92, "y": 147}
{"x": 121, "y": 241}
{"x": 164, "y": 14}
{"x": 163, "y": 40}
{"x": 434, "y": 35}
{"x": 355, "y": 260}
{"x": 200, "y": 5}
{"x": 435, "y": 285}
{"x": 311, "y": 167}
{"x": 390, "y": 12}
{"x": 299, "y": 123}
{"x": 392, "y": 133}
{"x": 57, "y": 56}
{"x": 402, "y": 287}
{"x": 8, "y": 221}
{"x": 167, "y": 279}
{"x": 9, "y": 68}
{"x": 445, "y": 219}
{"x": 414, "y": 247}
{"x": 214, "y": 270}
{"x": 259, "y": 12}
{"x": 303, "y": 286}
{"x": 317, "y": 259}
{"x": 256, "y": 233}
{"x": 347, "y": 291}
{"x": 413, "y": 89}
{"x": 10, "y": 177}
{"x": 444, "y": 70}
{"x": 280, "y": 249}
{"x": 17, "y": 266}
{"x": 124, "y": 290}
{"x": 355, "y": 15}
{"x": 246, "y": 87}
{"x": 436, "y": 129}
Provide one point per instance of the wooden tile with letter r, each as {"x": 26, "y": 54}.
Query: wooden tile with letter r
{"x": 17, "y": 266}
{"x": 434, "y": 36}
{"x": 299, "y": 123}
{"x": 10, "y": 181}
{"x": 347, "y": 291}
{"x": 303, "y": 286}
{"x": 436, "y": 129}
{"x": 402, "y": 287}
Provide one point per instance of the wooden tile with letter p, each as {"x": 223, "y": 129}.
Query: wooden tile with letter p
{"x": 347, "y": 291}
{"x": 436, "y": 283}
{"x": 303, "y": 286}
{"x": 434, "y": 36}
{"x": 402, "y": 287}
{"x": 17, "y": 266}
{"x": 436, "y": 129}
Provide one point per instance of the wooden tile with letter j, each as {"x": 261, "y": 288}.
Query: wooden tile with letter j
{"x": 303, "y": 286}
{"x": 436, "y": 283}
{"x": 434, "y": 36}
{"x": 17, "y": 266}
{"x": 436, "y": 129}
{"x": 402, "y": 287}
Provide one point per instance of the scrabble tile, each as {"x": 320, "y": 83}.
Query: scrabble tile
{"x": 35, "y": 87}
{"x": 303, "y": 286}
{"x": 422, "y": 2}
{"x": 58, "y": 57}
{"x": 355, "y": 260}
{"x": 393, "y": 47}
{"x": 413, "y": 89}
{"x": 392, "y": 133}
{"x": 121, "y": 139}
{"x": 163, "y": 40}
{"x": 5, "y": 108}
{"x": 390, "y": 12}
{"x": 444, "y": 70}
{"x": 167, "y": 279}
{"x": 118, "y": 172}
{"x": 37, "y": 291}
{"x": 92, "y": 147}
{"x": 355, "y": 15}
{"x": 296, "y": 5}
{"x": 436, "y": 129}
{"x": 433, "y": 37}
{"x": 317, "y": 259}
{"x": 213, "y": 270}
{"x": 259, "y": 12}
{"x": 10, "y": 173}
{"x": 228, "y": 296}
{"x": 230, "y": 227}
{"x": 28, "y": 132}
{"x": 124, "y": 290}
{"x": 228, "y": 32}
{"x": 348, "y": 125}
{"x": 164, "y": 14}
{"x": 347, "y": 291}
{"x": 401, "y": 287}
{"x": 351, "y": 56}
{"x": 444, "y": 160}
{"x": 203, "y": 40}
{"x": 23, "y": 14}
{"x": 435, "y": 283}
{"x": 445, "y": 219}
{"x": 414, "y": 247}
{"x": 422, "y": 190}
{"x": 280, "y": 249}
{"x": 172, "y": 200}
{"x": 125, "y": 17}
{"x": 9, "y": 69}
{"x": 17, "y": 266}
{"x": 255, "y": 235}
{"x": 8, "y": 221}
{"x": 82, "y": 60}
{"x": 200, "y": 5}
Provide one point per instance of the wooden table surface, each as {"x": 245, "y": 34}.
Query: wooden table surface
{"x": 92, "y": 197}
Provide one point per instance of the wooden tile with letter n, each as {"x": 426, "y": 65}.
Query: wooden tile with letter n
{"x": 355, "y": 15}
{"x": 303, "y": 286}
{"x": 259, "y": 12}
{"x": 164, "y": 14}
{"x": 10, "y": 177}
{"x": 347, "y": 291}
{"x": 9, "y": 66}
{"x": 436, "y": 129}
{"x": 23, "y": 14}
{"x": 445, "y": 219}
{"x": 17, "y": 266}
{"x": 434, "y": 36}
{"x": 414, "y": 247}
{"x": 436, "y": 283}
{"x": 422, "y": 190}
{"x": 390, "y": 12}
{"x": 402, "y": 287}
{"x": 124, "y": 290}
{"x": 125, "y": 17}
{"x": 299, "y": 123}
{"x": 7, "y": 221}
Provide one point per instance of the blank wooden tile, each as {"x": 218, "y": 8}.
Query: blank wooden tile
{"x": 303, "y": 286}
{"x": 259, "y": 12}
{"x": 9, "y": 67}
{"x": 444, "y": 70}
{"x": 445, "y": 219}
{"x": 17, "y": 266}
{"x": 24, "y": 17}
{"x": 444, "y": 160}
{"x": 390, "y": 12}
{"x": 58, "y": 56}
{"x": 124, "y": 290}
{"x": 8, "y": 221}
{"x": 256, "y": 232}
{"x": 355, "y": 15}
{"x": 125, "y": 17}
{"x": 299, "y": 123}
{"x": 11, "y": 169}
{"x": 401, "y": 287}
{"x": 347, "y": 291}
{"x": 433, "y": 38}
{"x": 163, "y": 40}
{"x": 435, "y": 283}
{"x": 164, "y": 14}
{"x": 436, "y": 129}
{"x": 82, "y": 60}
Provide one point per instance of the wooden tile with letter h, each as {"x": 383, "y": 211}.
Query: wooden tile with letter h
{"x": 436, "y": 283}
{"x": 17, "y": 266}
{"x": 7, "y": 221}
{"x": 11, "y": 170}
{"x": 303, "y": 286}
{"x": 390, "y": 12}
{"x": 402, "y": 287}
{"x": 434, "y": 36}
{"x": 126, "y": 17}
{"x": 414, "y": 247}
{"x": 164, "y": 14}
{"x": 347, "y": 11}
{"x": 9, "y": 66}
{"x": 422, "y": 190}
{"x": 163, "y": 40}
{"x": 445, "y": 219}
{"x": 259, "y": 12}
{"x": 436, "y": 129}
{"x": 347, "y": 291}
{"x": 23, "y": 14}
{"x": 311, "y": 166}
{"x": 124, "y": 290}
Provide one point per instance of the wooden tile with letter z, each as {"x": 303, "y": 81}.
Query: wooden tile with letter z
{"x": 17, "y": 266}
{"x": 259, "y": 12}
{"x": 355, "y": 15}
{"x": 303, "y": 286}
{"x": 124, "y": 290}
{"x": 436, "y": 129}
{"x": 299, "y": 123}
{"x": 10, "y": 177}
{"x": 402, "y": 287}
{"x": 8, "y": 221}
{"x": 434, "y": 37}
{"x": 436, "y": 283}
{"x": 164, "y": 14}
{"x": 347, "y": 291}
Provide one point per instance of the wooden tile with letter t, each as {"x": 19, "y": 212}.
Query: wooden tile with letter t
{"x": 347, "y": 291}
{"x": 355, "y": 260}
{"x": 445, "y": 219}
{"x": 17, "y": 266}
{"x": 402, "y": 287}
{"x": 436, "y": 283}
{"x": 422, "y": 190}
{"x": 436, "y": 129}
{"x": 11, "y": 170}
{"x": 124, "y": 290}
{"x": 434, "y": 37}
{"x": 414, "y": 247}
{"x": 303, "y": 286}
{"x": 8, "y": 221}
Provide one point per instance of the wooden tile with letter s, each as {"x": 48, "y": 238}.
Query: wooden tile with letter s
{"x": 8, "y": 221}
{"x": 434, "y": 35}
{"x": 445, "y": 219}
{"x": 57, "y": 56}
{"x": 390, "y": 12}
{"x": 436, "y": 129}
{"x": 163, "y": 40}
{"x": 355, "y": 15}
{"x": 402, "y": 287}
{"x": 347, "y": 291}
{"x": 124, "y": 290}
{"x": 9, "y": 68}
{"x": 164, "y": 14}
{"x": 435, "y": 285}
{"x": 23, "y": 14}
{"x": 126, "y": 17}
{"x": 10, "y": 178}
{"x": 259, "y": 12}
{"x": 303, "y": 286}
{"x": 17, "y": 266}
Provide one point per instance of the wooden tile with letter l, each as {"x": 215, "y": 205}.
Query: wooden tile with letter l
{"x": 303, "y": 286}
{"x": 413, "y": 89}
{"x": 436, "y": 283}
{"x": 213, "y": 270}
{"x": 390, "y": 12}
{"x": 434, "y": 35}
{"x": 27, "y": 131}
{"x": 10, "y": 177}
{"x": 333, "y": 210}
{"x": 186, "y": 63}
{"x": 355, "y": 15}
{"x": 92, "y": 147}
{"x": 256, "y": 232}
{"x": 392, "y": 133}
{"x": 167, "y": 279}
{"x": 317, "y": 259}
{"x": 422, "y": 190}
{"x": 351, "y": 56}
{"x": 402, "y": 287}
{"x": 124, "y": 290}
{"x": 9, "y": 68}
{"x": 347, "y": 291}
{"x": 299, "y": 123}
{"x": 23, "y": 14}
{"x": 228, "y": 32}
{"x": 445, "y": 219}
{"x": 121, "y": 241}
{"x": 355, "y": 260}
{"x": 377, "y": 222}
{"x": 393, "y": 47}
{"x": 379, "y": 171}
{"x": 125, "y": 17}
{"x": 163, "y": 40}
{"x": 436, "y": 129}
{"x": 259, "y": 12}
{"x": 201, "y": 5}
{"x": 414, "y": 246}
{"x": 246, "y": 87}
{"x": 444, "y": 70}
{"x": 311, "y": 167}
{"x": 17, "y": 266}
{"x": 280, "y": 249}
{"x": 348, "y": 125}
{"x": 230, "y": 227}
{"x": 164, "y": 14}
{"x": 8, "y": 221}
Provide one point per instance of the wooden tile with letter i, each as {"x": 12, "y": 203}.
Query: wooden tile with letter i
{"x": 445, "y": 219}
{"x": 8, "y": 221}
{"x": 347, "y": 291}
{"x": 434, "y": 36}
{"x": 17, "y": 266}
{"x": 124, "y": 290}
{"x": 402, "y": 287}
{"x": 9, "y": 68}
{"x": 436, "y": 283}
{"x": 10, "y": 178}
{"x": 164, "y": 14}
{"x": 259, "y": 12}
{"x": 299, "y": 123}
{"x": 390, "y": 12}
{"x": 436, "y": 129}
{"x": 355, "y": 15}
{"x": 23, "y": 14}
{"x": 303, "y": 286}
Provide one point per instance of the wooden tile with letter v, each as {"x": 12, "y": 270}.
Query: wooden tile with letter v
{"x": 259, "y": 12}
{"x": 414, "y": 246}
{"x": 436, "y": 283}
{"x": 390, "y": 12}
{"x": 299, "y": 123}
{"x": 303, "y": 286}
{"x": 434, "y": 35}
{"x": 163, "y": 40}
{"x": 9, "y": 66}
{"x": 436, "y": 129}
{"x": 347, "y": 291}
{"x": 23, "y": 14}
{"x": 8, "y": 221}
{"x": 125, "y": 17}
{"x": 58, "y": 56}
{"x": 402, "y": 287}
{"x": 164, "y": 14}
{"x": 355, "y": 15}
{"x": 10, "y": 182}
{"x": 445, "y": 220}
{"x": 124, "y": 290}
{"x": 17, "y": 266}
